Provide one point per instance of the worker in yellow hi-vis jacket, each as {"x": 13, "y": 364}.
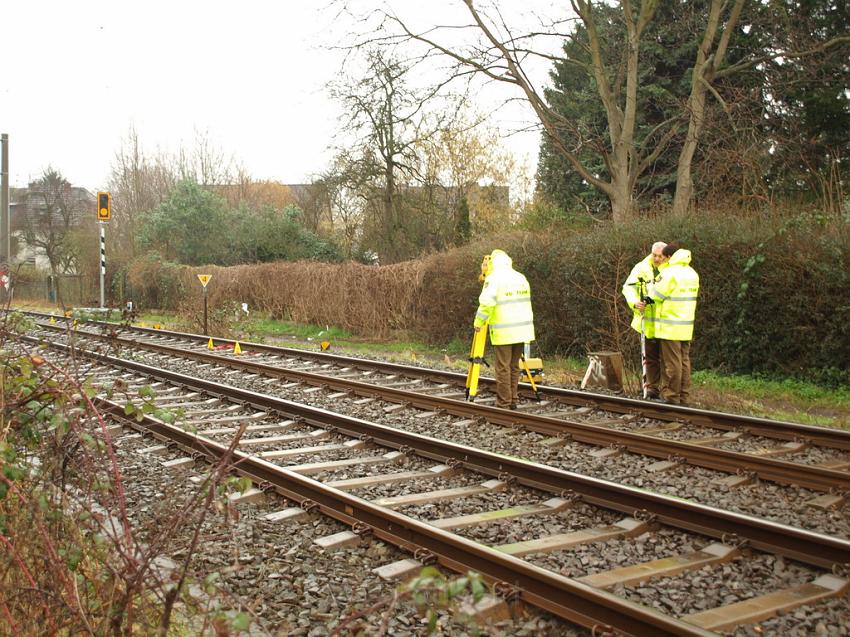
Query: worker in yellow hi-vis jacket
{"x": 505, "y": 306}
{"x": 674, "y": 294}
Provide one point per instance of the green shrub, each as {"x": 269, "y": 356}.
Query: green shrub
{"x": 773, "y": 296}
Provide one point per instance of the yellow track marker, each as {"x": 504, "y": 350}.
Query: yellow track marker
{"x": 237, "y": 350}
{"x": 210, "y": 345}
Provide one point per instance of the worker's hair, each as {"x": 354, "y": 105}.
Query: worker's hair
{"x": 658, "y": 245}
{"x": 670, "y": 249}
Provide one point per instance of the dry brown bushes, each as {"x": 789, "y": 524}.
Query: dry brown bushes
{"x": 749, "y": 266}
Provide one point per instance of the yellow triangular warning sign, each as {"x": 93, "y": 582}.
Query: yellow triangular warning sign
{"x": 237, "y": 349}
{"x": 204, "y": 279}
{"x": 326, "y": 345}
{"x": 210, "y": 345}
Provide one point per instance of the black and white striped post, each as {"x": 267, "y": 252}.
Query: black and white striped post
{"x": 104, "y": 214}
{"x": 102, "y": 263}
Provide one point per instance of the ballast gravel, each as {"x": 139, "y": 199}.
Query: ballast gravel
{"x": 275, "y": 571}
{"x": 671, "y": 595}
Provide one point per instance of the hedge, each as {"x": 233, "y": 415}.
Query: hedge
{"x": 774, "y": 296}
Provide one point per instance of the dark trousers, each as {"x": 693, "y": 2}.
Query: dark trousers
{"x": 675, "y": 370}
{"x": 507, "y": 374}
{"x": 652, "y": 350}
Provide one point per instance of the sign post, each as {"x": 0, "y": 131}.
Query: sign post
{"x": 204, "y": 279}
{"x": 104, "y": 214}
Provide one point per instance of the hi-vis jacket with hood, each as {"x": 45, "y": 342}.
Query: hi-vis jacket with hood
{"x": 632, "y": 290}
{"x": 505, "y": 303}
{"x": 675, "y": 295}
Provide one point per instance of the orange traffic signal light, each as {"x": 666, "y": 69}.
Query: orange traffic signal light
{"x": 104, "y": 206}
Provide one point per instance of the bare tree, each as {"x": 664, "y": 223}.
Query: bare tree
{"x": 488, "y": 47}
{"x": 139, "y": 184}
{"x": 499, "y": 54}
{"x": 388, "y": 118}
{"x": 53, "y": 209}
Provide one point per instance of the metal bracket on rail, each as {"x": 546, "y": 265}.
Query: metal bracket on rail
{"x": 573, "y": 497}
{"x": 424, "y": 556}
{"x": 507, "y": 591}
{"x": 642, "y": 515}
{"x": 454, "y": 463}
{"x": 362, "y": 530}
{"x": 603, "y": 630}
{"x": 733, "y": 539}
{"x": 310, "y": 506}
{"x": 265, "y": 486}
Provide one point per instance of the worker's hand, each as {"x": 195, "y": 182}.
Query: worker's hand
{"x": 477, "y": 329}
{"x": 639, "y": 306}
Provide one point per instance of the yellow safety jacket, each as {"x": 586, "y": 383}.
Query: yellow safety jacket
{"x": 505, "y": 303}
{"x": 675, "y": 294}
{"x": 631, "y": 290}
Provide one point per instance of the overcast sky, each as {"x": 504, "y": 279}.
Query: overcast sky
{"x": 250, "y": 75}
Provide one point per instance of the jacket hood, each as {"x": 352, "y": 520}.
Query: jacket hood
{"x": 500, "y": 260}
{"x": 680, "y": 257}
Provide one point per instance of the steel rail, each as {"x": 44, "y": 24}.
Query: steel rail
{"x": 780, "y": 429}
{"x": 555, "y": 593}
{"x": 805, "y": 546}
{"x": 765, "y": 467}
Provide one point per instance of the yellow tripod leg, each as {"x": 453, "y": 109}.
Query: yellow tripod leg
{"x": 476, "y": 357}
{"x": 528, "y": 375}
{"x": 469, "y": 366}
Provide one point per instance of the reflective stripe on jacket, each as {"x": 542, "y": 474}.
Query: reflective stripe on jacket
{"x": 675, "y": 294}
{"x": 505, "y": 303}
{"x": 631, "y": 290}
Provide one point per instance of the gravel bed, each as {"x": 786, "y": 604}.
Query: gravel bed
{"x": 291, "y": 585}
{"x": 768, "y": 500}
{"x": 588, "y": 559}
{"x": 333, "y": 589}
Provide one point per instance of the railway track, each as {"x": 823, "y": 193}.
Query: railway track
{"x": 285, "y": 442}
{"x": 745, "y": 448}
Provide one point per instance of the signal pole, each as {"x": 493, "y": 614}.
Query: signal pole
{"x": 102, "y": 262}
{"x": 5, "y": 225}
{"x": 104, "y": 214}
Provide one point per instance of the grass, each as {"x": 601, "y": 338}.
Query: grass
{"x": 268, "y": 328}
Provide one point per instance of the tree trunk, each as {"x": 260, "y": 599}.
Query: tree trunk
{"x": 709, "y": 59}
{"x": 622, "y": 202}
